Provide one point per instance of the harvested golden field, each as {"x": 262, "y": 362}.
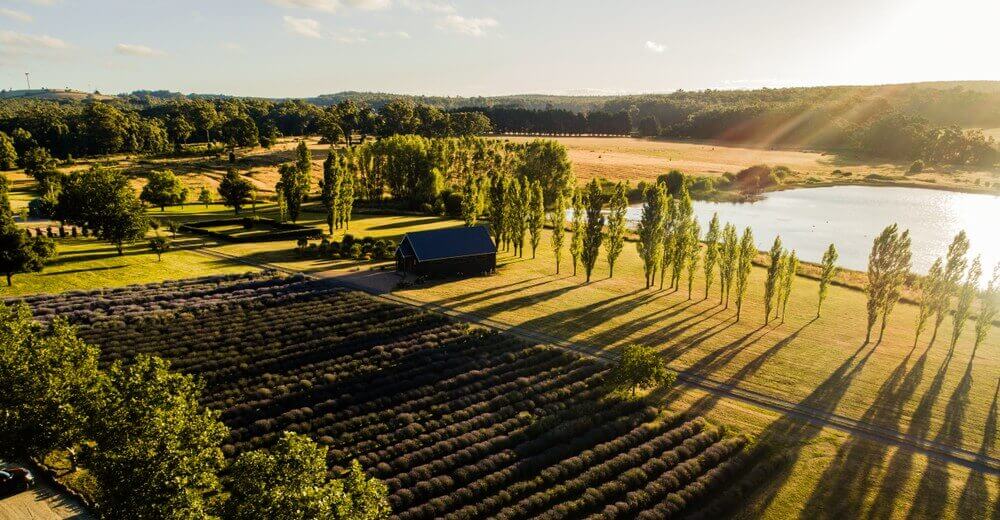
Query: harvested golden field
{"x": 633, "y": 159}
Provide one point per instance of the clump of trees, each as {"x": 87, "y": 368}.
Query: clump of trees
{"x": 163, "y": 189}
{"x": 103, "y": 201}
{"x": 19, "y": 252}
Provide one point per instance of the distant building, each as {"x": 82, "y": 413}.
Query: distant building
{"x": 463, "y": 250}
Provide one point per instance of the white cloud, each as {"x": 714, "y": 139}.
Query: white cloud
{"x": 329, "y": 6}
{"x": 231, "y": 47}
{"x": 655, "y": 47}
{"x": 428, "y": 5}
{"x": 403, "y": 35}
{"x": 469, "y": 26}
{"x": 142, "y": 51}
{"x": 303, "y": 26}
{"x": 369, "y": 5}
{"x": 19, "y": 16}
{"x": 43, "y": 2}
{"x": 19, "y": 43}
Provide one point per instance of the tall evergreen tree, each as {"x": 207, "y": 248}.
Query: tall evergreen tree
{"x": 771, "y": 283}
{"x": 828, "y": 271}
{"x": 747, "y": 252}
{"x": 729, "y": 255}
{"x": 618, "y": 206}
{"x": 693, "y": 250}
{"x": 594, "y": 231}
{"x": 711, "y": 251}
{"x": 558, "y": 227}
{"x": 650, "y": 230}
{"x": 930, "y": 290}
{"x": 966, "y": 296}
{"x": 955, "y": 265}
{"x": 578, "y": 229}
{"x": 536, "y": 216}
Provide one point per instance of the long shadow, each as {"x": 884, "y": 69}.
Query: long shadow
{"x": 408, "y": 222}
{"x": 846, "y": 481}
{"x": 641, "y": 323}
{"x": 529, "y": 299}
{"x": 975, "y": 495}
{"x": 493, "y": 292}
{"x": 582, "y": 319}
{"x": 87, "y": 270}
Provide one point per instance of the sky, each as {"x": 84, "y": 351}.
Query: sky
{"x": 300, "y": 48}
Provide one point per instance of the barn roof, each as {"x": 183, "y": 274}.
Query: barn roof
{"x": 439, "y": 244}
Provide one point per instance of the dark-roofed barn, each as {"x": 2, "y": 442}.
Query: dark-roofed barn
{"x": 463, "y": 250}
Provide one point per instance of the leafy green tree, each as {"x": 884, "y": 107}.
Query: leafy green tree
{"x": 545, "y": 161}
{"x": 51, "y": 385}
{"x": 578, "y": 229}
{"x": 163, "y": 189}
{"x": 123, "y": 220}
{"x": 955, "y": 264}
{"x": 536, "y": 216}
{"x": 670, "y": 227}
{"x": 594, "y": 231}
{"x": 989, "y": 302}
{"x": 240, "y": 131}
{"x": 828, "y": 271}
{"x": 330, "y": 188}
{"x": 20, "y": 253}
{"x": 790, "y": 266}
{"x": 693, "y": 251}
{"x": 517, "y": 202}
{"x": 966, "y": 296}
{"x": 558, "y": 227}
{"x": 205, "y": 196}
{"x": 470, "y": 202}
{"x": 179, "y": 129}
{"x": 930, "y": 290}
{"x": 155, "y": 450}
{"x": 711, "y": 251}
{"x": 330, "y": 129}
{"x": 773, "y": 275}
{"x": 888, "y": 265}
{"x": 639, "y": 367}
{"x": 618, "y": 206}
{"x": 729, "y": 255}
{"x": 234, "y": 190}
{"x": 41, "y": 167}
{"x": 650, "y": 231}
{"x": 290, "y": 482}
{"x": 498, "y": 204}
{"x": 346, "y": 200}
{"x": 8, "y": 154}
{"x": 684, "y": 216}
{"x": 159, "y": 245}
{"x": 747, "y": 252}
{"x": 4, "y": 193}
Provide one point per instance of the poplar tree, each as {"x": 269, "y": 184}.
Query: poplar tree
{"x": 684, "y": 217}
{"x": 930, "y": 291}
{"x": 828, "y": 271}
{"x": 888, "y": 265}
{"x": 650, "y": 230}
{"x": 498, "y": 194}
{"x": 693, "y": 249}
{"x": 520, "y": 200}
{"x": 728, "y": 256}
{"x": 669, "y": 237}
{"x": 618, "y": 206}
{"x": 791, "y": 266}
{"x": 330, "y": 190}
{"x": 955, "y": 265}
{"x": 577, "y": 227}
{"x": 966, "y": 295}
{"x": 988, "y": 308}
{"x": 771, "y": 283}
{"x": 536, "y": 216}
{"x": 346, "y": 199}
{"x": 594, "y": 231}
{"x": 558, "y": 226}
{"x": 747, "y": 252}
{"x": 711, "y": 251}
{"x": 470, "y": 202}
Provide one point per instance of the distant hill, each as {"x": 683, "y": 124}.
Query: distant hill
{"x": 48, "y": 94}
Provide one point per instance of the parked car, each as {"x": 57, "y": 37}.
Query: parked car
{"x": 15, "y": 479}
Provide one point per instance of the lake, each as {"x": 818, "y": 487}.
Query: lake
{"x": 850, "y": 217}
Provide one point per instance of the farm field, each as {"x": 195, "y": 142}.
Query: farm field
{"x": 457, "y": 421}
{"x": 634, "y": 160}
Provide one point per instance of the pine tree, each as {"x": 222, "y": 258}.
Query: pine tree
{"x": 693, "y": 250}
{"x": 650, "y": 231}
{"x": 747, "y": 252}
{"x": 558, "y": 227}
{"x": 966, "y": 295}
{"x": 536, "y": 216}
{"x": 618, "y": 206}
{"x": 930, "y": 290}
{"x": 729, "y": 255}
{"x": 577, "y": 227}
{"x": 594, "y": 231}
{"x": 772, "y": 280}
{"x": 711, "y": 251}
{"x": 829, "y": 270}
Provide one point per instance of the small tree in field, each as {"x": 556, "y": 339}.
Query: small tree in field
{"x": 618, "y": 206}
{"x": 558, "y": 227}
{"x": 966, "y": 295}
{"x": 790, "y": 266}
{"x": 577, "y": 227}
{"x": 955, "y": 264}
{"x": 205, "y": 196}
{"x": 930, "y": 290}
{"x": 639, "y": 368}
{"x": 747, "y": 252}
{"x": 711, "y": 251}
{"x": 159, "y": 245}
{"x": 650, "y": 231}
{"x": 728, "y": 255}
{"x": 829, "y": 270}
{"x": 536, "y": 216}
{"x": 594, "y": 231}
{"x": 773, "y": 275}
{"x": 693, "y": 250}
{"x": 234, "y": 190}
{"x": 888, "y": 265}
{"x": 163, "y": 189}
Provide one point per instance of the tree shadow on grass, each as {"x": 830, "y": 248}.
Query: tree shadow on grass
{"x": 410, "y": 222}
{"x": 84, "y": 270}
{"x": 487, "y": 294}
{"x": 975, "y": 494}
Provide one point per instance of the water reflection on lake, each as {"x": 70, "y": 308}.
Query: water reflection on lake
{"x": 808, "y": 220}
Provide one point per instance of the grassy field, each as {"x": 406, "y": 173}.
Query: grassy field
{"x": 625, "y": 158}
